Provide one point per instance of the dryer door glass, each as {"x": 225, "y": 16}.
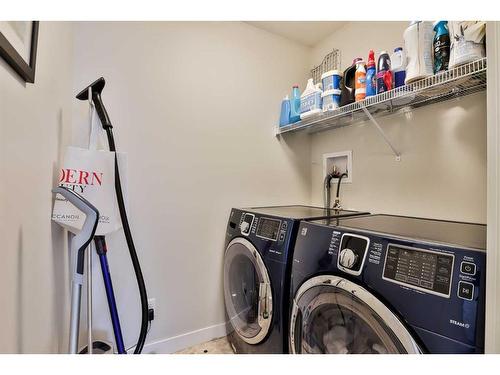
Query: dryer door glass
{"x": 247, "y": 291}
{"x": 334, "y": 320}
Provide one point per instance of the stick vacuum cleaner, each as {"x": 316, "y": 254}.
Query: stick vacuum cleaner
{"x": 100, "y": 242}
{"x": 78, "y": 245}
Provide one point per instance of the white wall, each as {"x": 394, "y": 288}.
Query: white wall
{"x": 193, "y": 105}
{"x": 34, "y": 127}
{"x": 442, "y": 173}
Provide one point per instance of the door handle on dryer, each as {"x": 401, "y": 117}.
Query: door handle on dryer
{"x": 264, "y": 301}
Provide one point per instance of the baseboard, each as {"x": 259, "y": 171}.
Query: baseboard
{"x": 185, "y": 340}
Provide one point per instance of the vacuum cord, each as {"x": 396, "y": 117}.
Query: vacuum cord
{"x": 131, "y": 247}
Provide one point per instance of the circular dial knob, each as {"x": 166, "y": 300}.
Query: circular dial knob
{"x": 348, "y": 258}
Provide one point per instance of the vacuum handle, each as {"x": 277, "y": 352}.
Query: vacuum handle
{"x": 82, "y": 239}
{"x": 101, "y": 110}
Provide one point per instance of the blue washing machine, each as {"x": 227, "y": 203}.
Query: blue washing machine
{"x": 388, "y": 284}
{"x": 257, "y": 265}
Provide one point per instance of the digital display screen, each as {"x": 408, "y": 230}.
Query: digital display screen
{"x": 421, "y": 269}
{"x": 268, "y": 228}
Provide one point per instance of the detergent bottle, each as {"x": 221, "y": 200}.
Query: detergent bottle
{"x": 418, "y": 46}
{"x": 398, "y": 64}
{"x": 360, "y": 81}
{"x": 384, "y": 75}
{"x": 441, "y": 46}
{"x": 285, "y": 112}
{"x": 295, "y": 104}
{"x": 310, "y": 100}
{"x": 371, "y": 75}
{"x": 347, "y": 84}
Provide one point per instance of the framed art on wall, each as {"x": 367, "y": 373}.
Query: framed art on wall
{"x": 18, "y": 44}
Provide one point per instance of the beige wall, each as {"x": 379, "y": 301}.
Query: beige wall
{"x": 193, "y": 105}
{"x": 442, "y": 173}
{"x": 34, "y": 128}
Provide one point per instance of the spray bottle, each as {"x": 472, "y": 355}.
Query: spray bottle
{"x": 371, "y": 75}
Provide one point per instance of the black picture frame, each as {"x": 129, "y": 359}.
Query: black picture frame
{"x": 25, "y": 69}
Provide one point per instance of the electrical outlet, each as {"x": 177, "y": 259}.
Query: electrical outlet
{"x": 152, "y": 303}
{"x": 151, "y": 308}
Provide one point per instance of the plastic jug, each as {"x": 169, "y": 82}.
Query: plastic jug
{"x": 295, "y": 104}
{"x": 384, "y": 75}
{"x": 418, "y": 45}
{"x": 398, "y": 64}
{"x": 310, "y": 100}
{"x": 285, "y": 112}
{"x": 347, "y": 85}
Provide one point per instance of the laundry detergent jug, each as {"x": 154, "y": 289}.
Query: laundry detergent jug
{"x": 347, "y": 84}
{"x": 418, "y": 46}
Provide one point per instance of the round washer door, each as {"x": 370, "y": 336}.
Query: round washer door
{"x": 247, "y": 291}
{"x": 333, "y": 315}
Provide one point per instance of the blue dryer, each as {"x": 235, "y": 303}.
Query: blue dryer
{"x": 388, "y": 284}
{"x": 257, "y": 266}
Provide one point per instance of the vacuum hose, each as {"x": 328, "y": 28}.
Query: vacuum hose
{"x": 131, "y": 247}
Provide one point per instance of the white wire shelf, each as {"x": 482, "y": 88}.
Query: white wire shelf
{"x": 460, "y": 81}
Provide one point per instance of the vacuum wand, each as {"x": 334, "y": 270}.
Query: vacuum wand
{"x": 96, "y": 89}
{"x": 78, "y": 246}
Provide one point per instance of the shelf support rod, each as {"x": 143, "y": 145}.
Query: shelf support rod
{"x": 382, "y": 133}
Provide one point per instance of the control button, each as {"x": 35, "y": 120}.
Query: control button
{"x": 468, "y": 268}
{"x": 465, "y": 290}
{"x": 282, "y": 236}
{"x": 426, "y": 284}
{"x": 348, "y": 258}
{"x": 284, "y": 225}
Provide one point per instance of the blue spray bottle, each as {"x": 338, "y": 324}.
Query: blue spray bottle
{"x": 371, "y": 75}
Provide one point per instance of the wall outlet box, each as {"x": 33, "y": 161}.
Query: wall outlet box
{"x": 343, "y": 161}
{"x": 152, "y": 303}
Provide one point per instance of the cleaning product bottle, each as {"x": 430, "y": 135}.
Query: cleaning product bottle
{"x": 310, "y": 100}
{"x": 371, "y": 75}
{"x": 418, "y": 46}
{"x": 295, "y": 105}
{"x": 285, "y": 112}
{"x": 441, "y": 46}
{"x": 384, "y": 75}
{"x": 398, "y": 64}
{"x": 360, "y": 81}
{"x": 347, "y": 84}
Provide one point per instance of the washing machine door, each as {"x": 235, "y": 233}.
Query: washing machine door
{"x": 333, "y": 315}
{"x": 247, "y": 291}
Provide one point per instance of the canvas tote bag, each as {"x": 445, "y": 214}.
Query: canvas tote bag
{"x": 90, "y": 173}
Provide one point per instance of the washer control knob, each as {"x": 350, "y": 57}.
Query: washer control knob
{"x": 348, "y": 258}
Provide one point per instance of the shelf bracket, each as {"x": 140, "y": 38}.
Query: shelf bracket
{"x": 382, "y": 133}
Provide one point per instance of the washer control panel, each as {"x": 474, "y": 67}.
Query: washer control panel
{"x": 429, "y": 271}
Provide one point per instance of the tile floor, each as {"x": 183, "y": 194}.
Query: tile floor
{"x": 217, "y": 346}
